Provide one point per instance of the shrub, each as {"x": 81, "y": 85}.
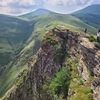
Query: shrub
{"x": 92, "y": 38}
{"x": 60, "y": 84}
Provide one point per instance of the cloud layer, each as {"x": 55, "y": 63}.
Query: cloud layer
{"x": 16, "y": 6}
{"x": 24, "y": 6}
{"x": 19, "y": 2}
{"x": 69, "y": 2}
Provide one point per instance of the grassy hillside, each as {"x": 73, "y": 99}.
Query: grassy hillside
{"x": 21, "y": 37}
{"x": 90, "y": 15}
{"x": 14, "y": 48}
{"x": 51, "y": 20}
{"x": 14, "y": 33}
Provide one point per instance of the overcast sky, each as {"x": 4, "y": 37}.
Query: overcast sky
{"x": 17, "y": 7}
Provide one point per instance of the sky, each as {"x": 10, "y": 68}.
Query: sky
{"x": 18, "y": 7}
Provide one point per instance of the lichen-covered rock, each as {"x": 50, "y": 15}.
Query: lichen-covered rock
{"x": 91, "y": 59}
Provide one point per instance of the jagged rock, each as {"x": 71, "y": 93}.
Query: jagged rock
{"x": 41, "y": 66}
{"x": 91, "y": 59}
{"x": 83, "y": 71}
{"x": 97, "y": 45}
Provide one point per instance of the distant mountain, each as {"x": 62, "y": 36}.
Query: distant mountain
{"x": 90, "y": 15}
{"x": 94, "y": 9}
{"x": 37, "y": 13}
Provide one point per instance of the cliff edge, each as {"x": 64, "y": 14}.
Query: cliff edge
{"x": 61, "y": 48}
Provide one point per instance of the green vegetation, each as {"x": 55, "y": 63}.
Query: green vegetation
{"x": 12, "y": 71}
{"x": 21, "y": 77}
{"x": 79, "y": 90}
{"x": 92, "y": 38}
{"x": 14, "y": 33}
{"x": 50, "y": 38}
{"x": 61, "y": 19}
{"x": 68, "y": 79}
{"x": 58, "y": 86}
{"x": 17, "y": 48}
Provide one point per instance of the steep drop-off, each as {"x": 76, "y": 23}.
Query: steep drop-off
{"x": 60, "y": 48}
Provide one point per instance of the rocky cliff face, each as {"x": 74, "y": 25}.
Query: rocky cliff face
{"x": 47, "y": 61}
{"x": 91, "y": 59}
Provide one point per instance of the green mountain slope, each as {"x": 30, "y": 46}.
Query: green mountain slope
{"x": 48, "y": 21}
{"x": 13, "y": 39}
{"x": 14, "y": 33}
{"x": 29, "y": 33}
{"x": 90, "y": 15}
{"x": 38, "y": 12}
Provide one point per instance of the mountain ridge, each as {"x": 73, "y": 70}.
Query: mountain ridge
{"x": 55, "y": 52}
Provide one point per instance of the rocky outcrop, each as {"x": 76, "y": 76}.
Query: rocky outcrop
{"x": 47, "y": 61}
{"x": 96, "y": 81}
{"x": 83, "y": 71}
{"x": 91, "y": 58}
{"x": 41, "y": 66}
